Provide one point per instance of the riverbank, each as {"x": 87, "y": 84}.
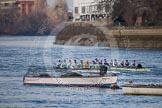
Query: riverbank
{"x": 138, "y": 38}
{"x": 87, "y": 35}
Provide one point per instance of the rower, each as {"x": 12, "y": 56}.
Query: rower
{"x": 133, "y": 64}
{"x": 93, "y": 65}
{"x": 64, "y": 65}
{"x": 75, "y": 65}
{"x": 115, "y": 63}
{"x": 86, "y": 64}
{"x": 96, "y": 60}
{"x": 139, "y": 66}
{"x": 126, "y": 63}
{"x": 58, "y": 65}
{"x": 106, "y": 63}
{"x": 122, "y": 63}
{"x": 100, "y": 62}
{"x": 98, "y": 65}
{"x": 111, "y": 63}
{"x": 70, "y": 64}
{"x": 81, "y": 64}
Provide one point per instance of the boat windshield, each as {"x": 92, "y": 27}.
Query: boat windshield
{"x": 38, "y": 70}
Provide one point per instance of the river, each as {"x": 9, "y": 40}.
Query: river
{"x": 18, "y": 53}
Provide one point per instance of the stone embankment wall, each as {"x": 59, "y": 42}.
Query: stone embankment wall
{"x": 139, "y": 38}
{"x": 86, "y": 34}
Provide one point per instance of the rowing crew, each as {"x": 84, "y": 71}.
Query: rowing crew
{"x": 95, "y": 64}
{"x": 75, "y": 64}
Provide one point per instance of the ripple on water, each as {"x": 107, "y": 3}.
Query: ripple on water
{"x": 15, "y": 59}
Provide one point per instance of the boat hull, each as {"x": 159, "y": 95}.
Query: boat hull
{"x": 132, "y": 69}
{"x": 92, "y": 71}
{"x": 142, "y": 90}
{"x": 105, "y": 81}
{"x": 112, "y": 68}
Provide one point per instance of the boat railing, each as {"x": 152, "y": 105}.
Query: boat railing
{"x": 42, "y": 71}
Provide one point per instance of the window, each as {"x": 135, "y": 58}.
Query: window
{"x": 23, "y": 8}
{"x": 30, "y": 8}
{"x": 83, "y": 9}
{"x": 90, "y": 9}
{"x": 6, "y": 4}
{"x": 87, "y": 9}
{"x": 76, "y": 10}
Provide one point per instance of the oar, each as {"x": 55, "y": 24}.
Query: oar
{"x": 150, "y": 67}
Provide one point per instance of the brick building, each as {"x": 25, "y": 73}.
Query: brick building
{"x": 26, "y": 6}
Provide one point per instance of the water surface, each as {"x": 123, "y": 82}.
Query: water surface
{"x": 17, "y": 53}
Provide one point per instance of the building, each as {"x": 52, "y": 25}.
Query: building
{"x": 26, "y": 6}
{"x": 7, "y": 5}
{"x": 22, "y": 7}
{"x": 8, "y": 9}
{"x": 88, "y": 10}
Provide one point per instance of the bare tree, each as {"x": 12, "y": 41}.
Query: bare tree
{"x": 40, "y": 5}
{"x": 105, "y": 5}
{"x": 124, "y": 9}
{"x": 154, "y": 11}
{"x": 149, "y": 10}
{"x": 59, "y": 11}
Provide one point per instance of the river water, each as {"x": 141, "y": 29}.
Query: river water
{"x": 18, "y": 53}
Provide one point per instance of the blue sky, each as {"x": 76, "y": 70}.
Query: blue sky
{"x": 69, "y": 2}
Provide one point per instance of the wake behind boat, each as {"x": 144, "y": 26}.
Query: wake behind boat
{"x": 70, "y": 79}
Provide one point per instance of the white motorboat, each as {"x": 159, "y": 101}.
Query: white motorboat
{"x": 94, "y": 81}
{"x": 70, "y": 79}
